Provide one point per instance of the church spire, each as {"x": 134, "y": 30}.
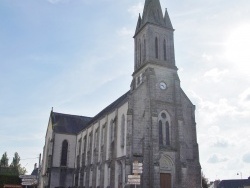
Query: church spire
{"x": 138, "y": 26}
{"x": 152, "y": 13}
{"x": 167, "y": 20}
{"x": 154, "y": 38}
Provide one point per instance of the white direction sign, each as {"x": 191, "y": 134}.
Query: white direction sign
{"x": 134, "y": 176}
{"x": 137, "y": 171}
{"x": 134, "y": 181}
{"x": 135, "y": 164}
{"x": 31, "y": 180}
{"x": 137, "y": 167}
{"x": 27, "y": 176}
{"x": 28, "y": 183}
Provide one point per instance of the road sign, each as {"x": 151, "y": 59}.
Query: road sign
{"x": 134, "y": 176}
{"x": 137, "y": 171}
{"x": 27, "y": 183}
{"x": 137, "y": 168}
{"x": 134, "y": 181}
{"x": 31, "y": 180}
{"x": 135, "y": 164}
{"x": 27, "y": 176}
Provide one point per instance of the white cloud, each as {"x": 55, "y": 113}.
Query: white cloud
{"x": 215, "y": 74}
{"x": 213, "y": 130}
{"x": 207, "y": 57}
{"x": 244, "y": 98}
{"x": 246, "y": 157}
{"x": 220, "y": 108}
{"x": 219, "y": 142}
{"x": 237, "y": 45}
{"x": 135, "y": 9}
{"x": 217, "y": 158}
{"x": 234, "y": 164}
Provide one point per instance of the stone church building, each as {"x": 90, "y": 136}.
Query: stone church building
{"x": 149, "y": 132}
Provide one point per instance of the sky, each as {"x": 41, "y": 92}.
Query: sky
{"x": 77, "y": 57}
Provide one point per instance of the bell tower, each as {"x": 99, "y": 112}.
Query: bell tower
{"x": 161, "y": 119}
{"x": 153, "y": 37}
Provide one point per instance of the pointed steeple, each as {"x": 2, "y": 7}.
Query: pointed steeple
{"x": 154, "y": 37}
{"x": 138, "y": 26}
{"x": 167, "y": 20}
{"x": 152, "y": 13}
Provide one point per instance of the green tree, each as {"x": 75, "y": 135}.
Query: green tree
{"x": 16, "y": 164}
{"x": 204, "y": 181}
{"x": 4, "y": 162}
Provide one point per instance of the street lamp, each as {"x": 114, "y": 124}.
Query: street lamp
{"x": 240, "y": 173}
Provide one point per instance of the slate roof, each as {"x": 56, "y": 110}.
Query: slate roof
{"x": 239, "y": 183}
{"x": 69, "y": 124}
{"x": 152, "y": 13}
{"x": 73, "y": 124}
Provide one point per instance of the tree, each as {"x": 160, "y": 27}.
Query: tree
{"x": 4, "y": 162}
{"x": 204, "y": 181}
{"x": 16, "y": 165}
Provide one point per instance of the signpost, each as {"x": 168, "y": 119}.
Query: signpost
{"x": 27, "y": 176}
{"x": 28, "y": 180}
{"x": 136, "y": 178}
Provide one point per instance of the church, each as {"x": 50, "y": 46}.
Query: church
{"x": 146, "y": 138}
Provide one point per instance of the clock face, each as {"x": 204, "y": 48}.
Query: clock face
{"x": 163, "y": 85}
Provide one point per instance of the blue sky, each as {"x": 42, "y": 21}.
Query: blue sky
{"x": 77, "y": 57}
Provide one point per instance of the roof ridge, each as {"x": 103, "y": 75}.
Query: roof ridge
{"x": 112, "y": 106}
{"x": 71, "y": 115}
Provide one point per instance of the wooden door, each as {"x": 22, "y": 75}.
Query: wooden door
{"x": 165, "y": 180}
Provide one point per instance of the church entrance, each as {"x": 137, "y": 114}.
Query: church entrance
{"x": 165, "y": 180}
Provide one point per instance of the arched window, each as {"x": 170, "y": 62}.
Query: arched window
{"x": 122, "y": 131}
{"x": 160, "y": 133}
{"x": 156, "y": 48}
{"x": 164, "y": 129}
{"x": 64, "y": 153}
{"x": 111, "y": 131}
{"x": 140, "y": 52}
{"x": 136, "y": 52}
{"x": 167, "y": 134}
{"x": 165, "y": 49}
{"x": 144, "y": 50}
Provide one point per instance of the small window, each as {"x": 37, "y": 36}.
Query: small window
{"x": 165, "y": 50}
{"x": 90, "y": 141}
{"x": 111, "y": 131}
{"x": 123, "y": 130}
{"x": 64, "y": 153}
{"x": 164, "y": 129}
{"x": 79, "y": 146}
{"x": 96, "y": 138}
{"x": 144, "y": 50}
{"x": 167, "y": 139}
{"x": 160, "y": 133}
{"x": 103, "y": 134}
{"x": 84, "y": 144}
{"x": 156, "y": 48}
{"x": 140, "y": 51}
